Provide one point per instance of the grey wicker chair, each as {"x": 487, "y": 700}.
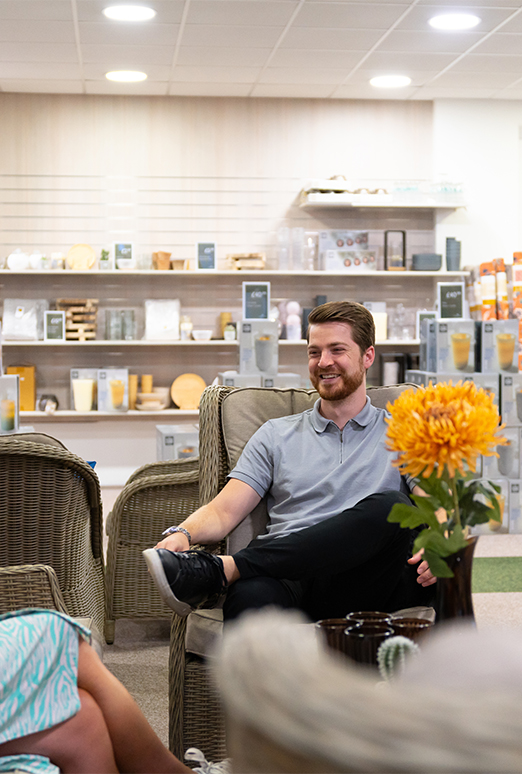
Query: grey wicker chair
{"x": 30, "y": 585}
{"x": 51, "y": 513}
{"x": 155, "y": 497}
{"x": 228, "y": 417}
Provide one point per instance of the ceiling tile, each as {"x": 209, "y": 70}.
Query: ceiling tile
{"x": 167, "y": 11}
{"x": 420, "y": 15}
{"x": 393, "y": 62}
{"x": 302, "y": 75}
{"x": 359, "y": 91}
{"x": 40, "y": 70}
{"x": 35, "y": 31}
{"x": 485, "y": 63}
{"x": 38, "y": 52}
{"x": 343, "y": 40}
{"x": 151, "y": 88}
{"x": 96, "y": 71}
{"x": 223, "y": 57}
{"x": 515, "y": 25}
{"x": 241, "y": 37}
{"x": 349, "y": 15}
{"x": 241, "y": 12}
{"x": 363, "y": 76}
{"x": 50, "y": 10}
{"x": 501, "y": 43}
{"x": 41, "y": 86}
{"x": 210, "y": 89}
{"x": 435, "y": 92}
{"x": 128, "y": 34}
{"x": 427, "y": 41}
{"x": 490, "y": 80}
{"x": 127, "y": 57}
{"x": 289, "y": 57}
{"x": 302, "y": 90}
{"x": 509, "y": 94}
{"x": 215, "y": 74}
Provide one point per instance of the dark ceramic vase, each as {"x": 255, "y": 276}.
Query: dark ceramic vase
{"x": 453, "y": 599}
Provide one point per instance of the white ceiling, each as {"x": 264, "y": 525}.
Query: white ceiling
{"x": 262, "y": 48}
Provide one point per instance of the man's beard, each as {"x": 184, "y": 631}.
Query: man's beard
{"x": 349, "y": 384}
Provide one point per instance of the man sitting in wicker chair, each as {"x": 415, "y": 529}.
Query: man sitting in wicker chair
{"x": 330, "y": 484}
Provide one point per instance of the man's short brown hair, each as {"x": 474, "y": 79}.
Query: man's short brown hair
{"x": 351, "y": 313}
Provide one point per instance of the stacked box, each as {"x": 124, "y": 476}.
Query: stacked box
{"x": 511, "y": 399}
{"x": 176, "y": 442}
{"x": 113, "y": 389}
{"x": 499, "y": 346}
{"x": 235, "y": 379}
{"x": 452, "y": 346}
{"x": 515, "y": 506}
{"x": 494, "y": 527}
{"x": 507, "y": 464}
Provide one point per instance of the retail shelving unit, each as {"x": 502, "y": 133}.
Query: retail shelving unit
{"x": 203, "y": 295}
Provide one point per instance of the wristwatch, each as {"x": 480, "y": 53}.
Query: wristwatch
{"x": 171, "y": 530}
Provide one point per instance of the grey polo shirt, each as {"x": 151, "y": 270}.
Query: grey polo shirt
{"x": 311, "y": 470}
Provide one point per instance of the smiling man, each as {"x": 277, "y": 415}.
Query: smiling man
{"x": 329, "y": 483}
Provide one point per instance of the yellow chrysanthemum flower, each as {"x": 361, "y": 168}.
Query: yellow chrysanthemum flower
{"x": 443, "y": 426}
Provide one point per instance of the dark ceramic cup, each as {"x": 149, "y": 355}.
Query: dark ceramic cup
{"x": 362, "y": 641}
{"x": 369, "y": 616}
{"x": 413, "y": 628}
{"x": 332, "y": 630}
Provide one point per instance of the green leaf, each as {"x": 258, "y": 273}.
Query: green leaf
{"x": 437, "y": 565}
{"x": 408, "y": 516}
{"x": 427, "y": 508}
{"x": 438, "y": 489}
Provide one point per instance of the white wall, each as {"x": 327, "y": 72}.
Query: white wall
{"x": 477, "y": 142}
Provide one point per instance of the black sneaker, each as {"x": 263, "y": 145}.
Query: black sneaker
{"x": 186, "y": 580}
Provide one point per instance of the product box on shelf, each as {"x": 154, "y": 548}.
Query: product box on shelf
{"x": 452, "y": 345}
{"x": 113, "y": 389}
{"x": 507, "y": 464}
{"x": 515, "y": 506}
{"x": 176, "y": 442}
{"x": 27, "y": 385}
{"x": 499, "y": 346}
{"x": 258, "y": 347}
{"x": 235, "y": 379}
{"x": 511, "y": 399}
{"x": 281, "y": 380}
{"x": 85, "y": 390}
{"x": 9, "y": 403}
{"x": 491, "y": 527}
{"x": 346, "y": 251}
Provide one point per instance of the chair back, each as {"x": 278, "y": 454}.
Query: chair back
{"x": 228, "y": 419}
{"x": 51, "y": 513}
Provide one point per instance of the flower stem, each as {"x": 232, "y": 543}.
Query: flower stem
{"x": 456, "y": 510}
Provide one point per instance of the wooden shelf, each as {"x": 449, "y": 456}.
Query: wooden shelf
{"x": 377, "y": 201}
{"x": 205, "y": 276}
{"x": 98, "y": 416}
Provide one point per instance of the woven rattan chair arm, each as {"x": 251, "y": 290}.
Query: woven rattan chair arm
{"x": 30, "y": 585}
{"x": 163, "y": 467}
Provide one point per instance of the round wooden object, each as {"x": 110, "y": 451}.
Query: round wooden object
{"x": 186, "y": 391}
{"x": 81, "y": 257}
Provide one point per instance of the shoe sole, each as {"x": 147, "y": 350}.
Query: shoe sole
{"x": 155, "y": 568}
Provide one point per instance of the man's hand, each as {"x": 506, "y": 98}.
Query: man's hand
{"x": 175, "y": 542}
{"x": 426, "y": 578}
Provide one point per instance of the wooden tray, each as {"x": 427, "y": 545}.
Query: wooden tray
{"x": 186, "y": 391}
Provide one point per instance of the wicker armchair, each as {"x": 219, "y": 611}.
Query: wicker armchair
{"x": 51, "y": 513}
{"x": 228, "y": 418}
{"x": 30, "y": 585}
{"x": 155, "y": 497}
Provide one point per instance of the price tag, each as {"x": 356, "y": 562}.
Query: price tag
{"x": 256, "y": 300}
{"x": 206, "y": 256}
{"x": 450, "y": 300}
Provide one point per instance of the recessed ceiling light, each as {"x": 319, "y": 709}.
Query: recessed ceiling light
{"x": 390, "y": 81}
{"x": 127, "y": 76}
{"x": 454, "y": 21}
{"x": 129, "y": 12}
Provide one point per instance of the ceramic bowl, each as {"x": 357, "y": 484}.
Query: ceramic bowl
{"x": 202, "y": 335}
{"x": 126, "y": 263}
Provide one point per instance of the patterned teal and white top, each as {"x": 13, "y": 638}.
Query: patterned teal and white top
{"x": 39, "y": 668}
